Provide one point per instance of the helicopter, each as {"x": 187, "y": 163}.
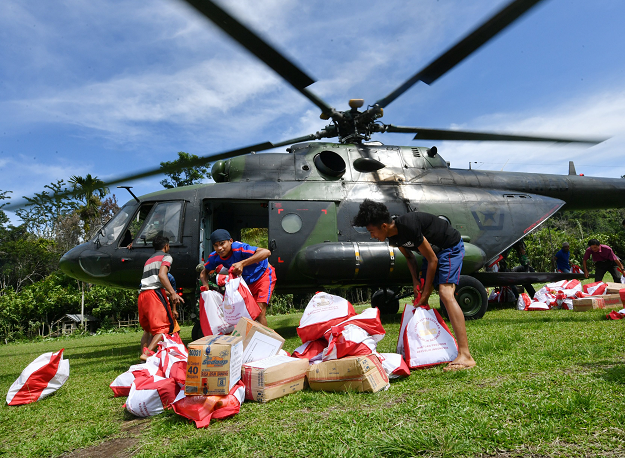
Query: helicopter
{"x": 307, "y": 197}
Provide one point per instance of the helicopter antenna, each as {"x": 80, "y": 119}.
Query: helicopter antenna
{"x": 127, "y": 188}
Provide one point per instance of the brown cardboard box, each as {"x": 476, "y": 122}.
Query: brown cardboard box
{"x": 610, "y": 301}
{"x": 614, "y": 288}
{"x": 214, "y": 365}
{"x": 358, "y": 373}
{"x": 273, "y": 377}
{"x": 259, "y": 342}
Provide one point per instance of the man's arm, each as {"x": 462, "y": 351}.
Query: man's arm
{"x": 412, "y": 266}
{"x": 259, "y": 255}
{"x": 204, "y": 277}
{"x": 173, "y": 297}
{"x": 585, "y": 268}
{"x": 428, "y": 253}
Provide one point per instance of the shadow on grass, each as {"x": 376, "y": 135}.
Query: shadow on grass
{"x": 610, "y": 371}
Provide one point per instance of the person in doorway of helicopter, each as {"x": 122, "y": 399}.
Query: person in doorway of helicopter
{"x": 248, "y": 261}
{"x": 418, "y": 231}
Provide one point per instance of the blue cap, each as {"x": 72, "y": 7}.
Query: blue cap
{"x": 219, "y": 235}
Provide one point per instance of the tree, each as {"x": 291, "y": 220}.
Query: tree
{"x": 184, "y": 171}
{"x": 43, "y": 212}
{"x": 90, "y": 191}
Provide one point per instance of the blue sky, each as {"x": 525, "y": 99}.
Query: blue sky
{"x": 110, "y": 87}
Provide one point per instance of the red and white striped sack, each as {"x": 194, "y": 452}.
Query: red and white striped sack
{"x": 322, "y": 312}
{"x": 150, "y": 395}
{"x": 523, "y": 301}
{"x": 544, "y": 295}
{"x": 46, "y": 374}
{"x": 312, "y": 351}
{"x": 172, "y": 358}
{"x": 212, "y": 320}
{"x": 348, "y": 340}
{"x": 394, "y": 365}
{"x": 597, "y": 288}
{"x": 368, "y": 320}
{"x": 203, "y": 409}
{"x": 565, "y": 284}
{"x": 121, "y": 385}
{"x": 427, "y": 339}
{"x": 239, "y": 301}
{"x": 537, "y": 306}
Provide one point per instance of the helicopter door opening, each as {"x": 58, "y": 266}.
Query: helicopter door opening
{"x": 246, "y": 220}
{"x": 294, "y": 225}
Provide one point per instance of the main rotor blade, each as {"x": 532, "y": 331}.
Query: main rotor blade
{"x": 260, "y": 48}
{"x": 442, "y": 134}
{"x": 457, "y": 53}
{"x": 20, "y": 203}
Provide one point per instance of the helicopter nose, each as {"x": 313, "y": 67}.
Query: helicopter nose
{"x": 84, "y": 263}
{"x": 69, "y": 262}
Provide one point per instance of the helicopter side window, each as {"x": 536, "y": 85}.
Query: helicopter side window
{"x": 111, "y": 231}
{"x": 163, "y": 220}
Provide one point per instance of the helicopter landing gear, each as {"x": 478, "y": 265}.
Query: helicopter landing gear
{"x": 471, "y": 297}
{"x": 386, "y": 301}
{"x": 196, "y": 332}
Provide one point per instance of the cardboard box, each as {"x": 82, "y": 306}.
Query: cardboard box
{"x": 273, "y": 377}
{"x": 614, "y": 288}
{"x": 597, "y": 302}
{"x": 357, "y": 373}
{"x": 259, "y": 342}
{"x": 214, "y": 365}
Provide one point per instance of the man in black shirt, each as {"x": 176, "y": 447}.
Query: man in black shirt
{"x": 418, "y": 231}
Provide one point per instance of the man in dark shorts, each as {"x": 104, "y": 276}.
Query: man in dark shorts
{"x": 605, "y": 261}
{"x": 248, "y": 261}
{"x": 418, "y": 231}
{"x": 156, "y": 316}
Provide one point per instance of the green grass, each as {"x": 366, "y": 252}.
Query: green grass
{"x": 547, "y": 384}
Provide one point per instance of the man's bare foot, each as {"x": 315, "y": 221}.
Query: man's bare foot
{"x": 146, "y": 354}
{"x": 460, "y": 364}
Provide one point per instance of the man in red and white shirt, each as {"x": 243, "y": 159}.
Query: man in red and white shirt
{"x": 605, "y": 261}
{"x": 155, "y": 314}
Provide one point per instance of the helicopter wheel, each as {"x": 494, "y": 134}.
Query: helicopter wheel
{"x": 196, "y": 332}
{"x": 385, "y": 301}
{"x": 471, "y": 297}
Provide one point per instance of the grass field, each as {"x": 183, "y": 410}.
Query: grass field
{"x": 547, "y": 384}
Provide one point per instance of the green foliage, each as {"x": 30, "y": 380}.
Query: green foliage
{"x": 32, "y": 310}
{"x": 188, "y": 169}
{"x": 43, "y": 212}
{"x": 576, "y": 228}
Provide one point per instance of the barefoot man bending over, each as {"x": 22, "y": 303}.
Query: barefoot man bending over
{"x": 418, "y": 231}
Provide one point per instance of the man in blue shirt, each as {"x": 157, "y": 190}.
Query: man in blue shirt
{"x": 245, "y": 260}
{"x": 562, "y": 259}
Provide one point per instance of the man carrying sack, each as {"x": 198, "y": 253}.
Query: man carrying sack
{"x": 418, "y": 231}
{"x": 250, "y": 262}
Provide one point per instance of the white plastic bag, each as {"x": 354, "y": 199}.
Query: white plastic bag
{"x": 212, "y": 318}
{"x": 238, "y": 301}
{"x": 322, "y": 312}
{"x": 150, "y": 395}
{"x": 122, "y": 383}
{"x": 39, "y": 379}
{"x": 523, "y": 301}
{"x": 427, "y": 339}
{"x": 349, "y": 340}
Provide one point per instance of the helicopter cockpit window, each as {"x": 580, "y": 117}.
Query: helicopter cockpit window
{"x": 163, "y": 220}
{"x": 111, "y": 231}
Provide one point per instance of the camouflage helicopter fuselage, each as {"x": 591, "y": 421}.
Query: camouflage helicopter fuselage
{"x": 308, "y": 197}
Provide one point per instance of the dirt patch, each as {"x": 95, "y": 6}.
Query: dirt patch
{"x": 118, "y": 447}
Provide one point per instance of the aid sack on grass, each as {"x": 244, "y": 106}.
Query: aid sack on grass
{"x": 427, "y": 339}
{"x": 39, "y": 379}
{"x": 322, "y": 312}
